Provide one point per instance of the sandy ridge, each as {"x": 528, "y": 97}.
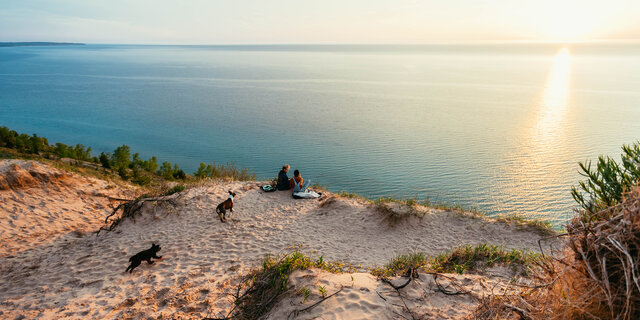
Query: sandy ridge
{"x": 78, "y": 275}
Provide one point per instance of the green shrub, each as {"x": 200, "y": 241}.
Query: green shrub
{"x": 123, "y": 172}
{"x": 139, "y": 177}
{"x": 166, "y": 171}
{"x": 606, "y": 183}
{"x": 150, "y": 165}
{"x": 228, "y": 170}
{"x": 178, "y": 173}
{"x": 203, "y": 171}
{"x": 7, "y": 138}
{"x": 263, "y": 286}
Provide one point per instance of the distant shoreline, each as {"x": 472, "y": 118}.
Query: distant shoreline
{"x": 38, "y": 44}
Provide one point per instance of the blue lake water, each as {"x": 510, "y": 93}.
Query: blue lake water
{"x": 498, "y": 128}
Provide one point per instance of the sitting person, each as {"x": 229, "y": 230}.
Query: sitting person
{"x": 301, "y": 189}
{"x": 297, "y": 181}
{"x": 284, "y": 183}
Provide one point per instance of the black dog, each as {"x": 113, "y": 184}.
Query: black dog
{"x": 222, "y": 208}
{"x": 144, "y": 255}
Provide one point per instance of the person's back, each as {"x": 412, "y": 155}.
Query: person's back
{"x": 283, "y": 179}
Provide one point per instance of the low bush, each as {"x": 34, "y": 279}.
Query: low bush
{"x": 175, "y": 189}
{"x": 229, "y": 171}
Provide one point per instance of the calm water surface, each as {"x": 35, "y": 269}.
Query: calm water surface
{"x": 497, "y": 128}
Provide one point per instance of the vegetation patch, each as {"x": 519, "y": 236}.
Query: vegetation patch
{"x": 460, "y": 260}
{"x": 228, "y": 170}
{"x": 175, "y": 189}
{"x": 607, "y": 181}
{"x": 260, "y": 290}
{"x": 121, "y": 162}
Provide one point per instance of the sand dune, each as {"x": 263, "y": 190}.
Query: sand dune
{"x": 81, "y": 275}
{"x": 38, "y": 203}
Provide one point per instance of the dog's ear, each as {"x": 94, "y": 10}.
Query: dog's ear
{"x": 231, "y": 193}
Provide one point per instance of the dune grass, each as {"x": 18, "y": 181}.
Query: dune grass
{"x": 394, "y": 216}
{"x": 175, "y": 189}
{"x": 260, "y": 290}
{"x": 460, "y": 260}
{"x": 541, "y": 226}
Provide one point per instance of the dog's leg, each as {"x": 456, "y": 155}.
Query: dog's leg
{"x": 222, "y": 215}
{"x": 134, "y": 264}
{"x": 149, "y": 261}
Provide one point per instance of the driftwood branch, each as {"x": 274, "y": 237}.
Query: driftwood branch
{"x": 130, "y": 209}
{"x": 295, "y": 313}
{"x": 399, "y": 286}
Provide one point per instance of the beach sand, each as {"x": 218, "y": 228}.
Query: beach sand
{"x": 53, "y": 266}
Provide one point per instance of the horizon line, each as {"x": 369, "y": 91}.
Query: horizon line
{"x": 478, "y": 42}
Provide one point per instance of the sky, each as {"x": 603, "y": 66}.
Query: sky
{"x": 322, "y": 22}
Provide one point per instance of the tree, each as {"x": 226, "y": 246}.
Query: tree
{"x": 203, "y": 171}
{"x": 7, "y": 137}
{"x": 23, "y": 142}
{"x": 81, "y": 153}
{"x": 166, "y": 170}
{"x": 124, "y": 174}
{"x": 37, "y": 144}
{"x": 178, "y": 173}
{"x": 105, "y": 159}
{"x": 151, "y": 165}
{"x": 62, "y": 150}
{"x": 121, "y": 157}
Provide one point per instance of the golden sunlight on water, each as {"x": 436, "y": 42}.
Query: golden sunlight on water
{"x": 533, "y": 167}
{"x": 555, "y": 97}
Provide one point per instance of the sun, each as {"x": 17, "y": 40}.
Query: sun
{"x": 569, "y": 21}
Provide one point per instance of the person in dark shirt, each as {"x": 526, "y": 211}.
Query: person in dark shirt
{"x": 283, "y": 180}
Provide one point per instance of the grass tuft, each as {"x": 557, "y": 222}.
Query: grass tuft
{"x": 541, "y": 226}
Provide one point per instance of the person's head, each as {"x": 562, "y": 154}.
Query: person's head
{"x": 296, "y": 173}
{"x": 285, "y": 168}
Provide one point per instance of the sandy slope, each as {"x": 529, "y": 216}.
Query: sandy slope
{"x": 78, "y": 276}
{"x": 39, "y": 202}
